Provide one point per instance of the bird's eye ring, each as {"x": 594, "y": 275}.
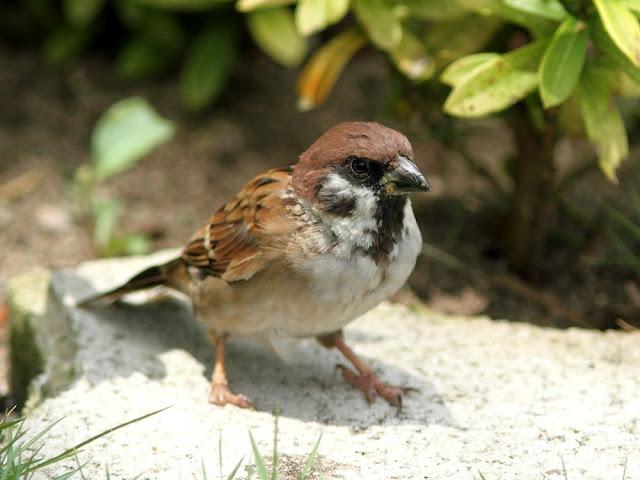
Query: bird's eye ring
{"x": 359, "y": 166}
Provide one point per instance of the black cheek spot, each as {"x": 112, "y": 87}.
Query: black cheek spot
{"x": 339, "y": 205}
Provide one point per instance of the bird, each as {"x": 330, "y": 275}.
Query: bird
{"x": 302, "y": 250}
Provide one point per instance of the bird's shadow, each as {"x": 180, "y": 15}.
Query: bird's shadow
{"x": 122, "y": 339}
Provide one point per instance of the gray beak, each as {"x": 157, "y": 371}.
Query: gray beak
{"x": 405, "y": 178}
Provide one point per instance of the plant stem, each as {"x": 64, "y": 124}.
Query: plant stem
{"x": 534, "y": 179}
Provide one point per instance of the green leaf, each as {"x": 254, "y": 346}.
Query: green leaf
{"x": 142, "y": 59}
{"x": 274, "y": 30}
{"x": 315, "y": 15}
{"x": 562, "y": 62}
{"x": 64, "y": 44}
{"x": 602, "y": 120}
{"x": 537, "y": 25}
{"x": 306, "y": 471}
{"x": 498, "y": 83}
{"x": 136, "y": 244}
{"x": 125, "y": 133}
{"x": 154, "y": 49}
{"x": 623, "y": 86}
{"x": 412, "y": 59}
{"x": 82, "y": 12}
{"x": 611, "y": 56}
{"x": 183, "y": 4}
{"x": 633, "y": 5}
{"x": 260, "y": 466}
{"x": 248, "y": 5}
{"x": 208, "y": 65}
{"x": 106, "y": 214}
{"x": 622, "y": 27}
{"x": 457, "y": 71}
{"x": 381, "y": 21}
{"x": 453, "y": 39}
{"x": 438, "y": 10}
{"x": 547, "y": 9}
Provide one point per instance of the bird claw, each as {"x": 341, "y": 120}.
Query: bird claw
{"x": 371, "y": 385}
{"x": 221, "y": 395}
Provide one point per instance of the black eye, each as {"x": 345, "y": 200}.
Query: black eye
{"x": 359, "y": 166}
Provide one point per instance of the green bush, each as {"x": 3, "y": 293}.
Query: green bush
{"x": 550, "y": 66}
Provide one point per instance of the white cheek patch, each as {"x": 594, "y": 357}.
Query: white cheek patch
{"x": 357, "y": 228}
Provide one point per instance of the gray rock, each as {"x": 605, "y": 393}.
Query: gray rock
{"x": 507, "y": 400}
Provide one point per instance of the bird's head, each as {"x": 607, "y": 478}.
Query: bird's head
{"x": 355, "y": 160}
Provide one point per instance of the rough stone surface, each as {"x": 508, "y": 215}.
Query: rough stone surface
{"x": 505, "y": 400}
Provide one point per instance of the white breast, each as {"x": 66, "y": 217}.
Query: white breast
{"x": 346, "y": 283}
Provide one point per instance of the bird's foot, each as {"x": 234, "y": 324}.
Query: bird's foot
{"x": 369, "y": 383}
{"x": 222, "y": 395}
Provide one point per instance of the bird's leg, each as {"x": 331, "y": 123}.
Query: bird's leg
{"x": 364, "y": 378}
{"x": 221, "y": 394}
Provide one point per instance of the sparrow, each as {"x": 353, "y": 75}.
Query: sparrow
{"x": 303, "y": 250}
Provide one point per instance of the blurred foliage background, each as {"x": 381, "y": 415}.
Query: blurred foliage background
{"x": 550, "y": 69}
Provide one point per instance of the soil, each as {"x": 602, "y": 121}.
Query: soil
{"x": 46, "y": 121}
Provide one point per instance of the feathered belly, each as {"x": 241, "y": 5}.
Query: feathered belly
{"x": 324, "y": 294}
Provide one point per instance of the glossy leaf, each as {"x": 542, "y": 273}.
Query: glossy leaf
{"x": 274, "y": 30}
{"x": 315, "y": 15}
{"x": 547, "y": 9}
{"x": 538, "y": 26}
{"x": 613, "y": 57}
{"x": 181, "y": 5}
{"x": 322, "y": 70}
{"x": 438, "y": 10}
{"x": 248, "y": 5}
{"x": 633, "y": 5}
{"x": 602, "y": 120}
{"x": 381, "y": 21}
{"x": 448, "y": 41}
{"x": 622, "y": 26}
{"x": 457, "y": 71}
{"x": 125, "y": 133}
{"x": 208, "y": 65}
{"x": 498, "y": 83}
{"x": 82, "y": 12}
{"x": 412, "y": 59}
{"x": 562, "y": 62}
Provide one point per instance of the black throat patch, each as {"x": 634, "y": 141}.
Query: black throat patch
{"x": 390, "y": 222}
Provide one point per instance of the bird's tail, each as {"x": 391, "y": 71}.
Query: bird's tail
{"x": 165, "y": 274}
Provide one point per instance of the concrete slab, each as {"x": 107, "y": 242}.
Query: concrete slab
{"x": 502, "y": 399}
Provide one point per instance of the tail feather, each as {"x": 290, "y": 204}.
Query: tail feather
{"x": 151, "y": 277}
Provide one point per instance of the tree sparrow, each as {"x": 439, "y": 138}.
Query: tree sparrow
{"x": 303, "y": 250}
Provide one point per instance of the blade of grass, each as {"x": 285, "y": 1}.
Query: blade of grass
{"x": 232, "y": 475}
{"x": 72, "y": 450}
{"x": 274, "y": 467}
{"x": 262, "y": 470}
{"x": 4, "y": 424}
{"x": 40, "y": 435}
{"x": 310, "y": 460}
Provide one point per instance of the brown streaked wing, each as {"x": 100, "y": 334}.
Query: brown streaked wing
{"x": 229, "y": 246}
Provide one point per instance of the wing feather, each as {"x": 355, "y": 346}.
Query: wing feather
{"x": 233, "y": 245}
